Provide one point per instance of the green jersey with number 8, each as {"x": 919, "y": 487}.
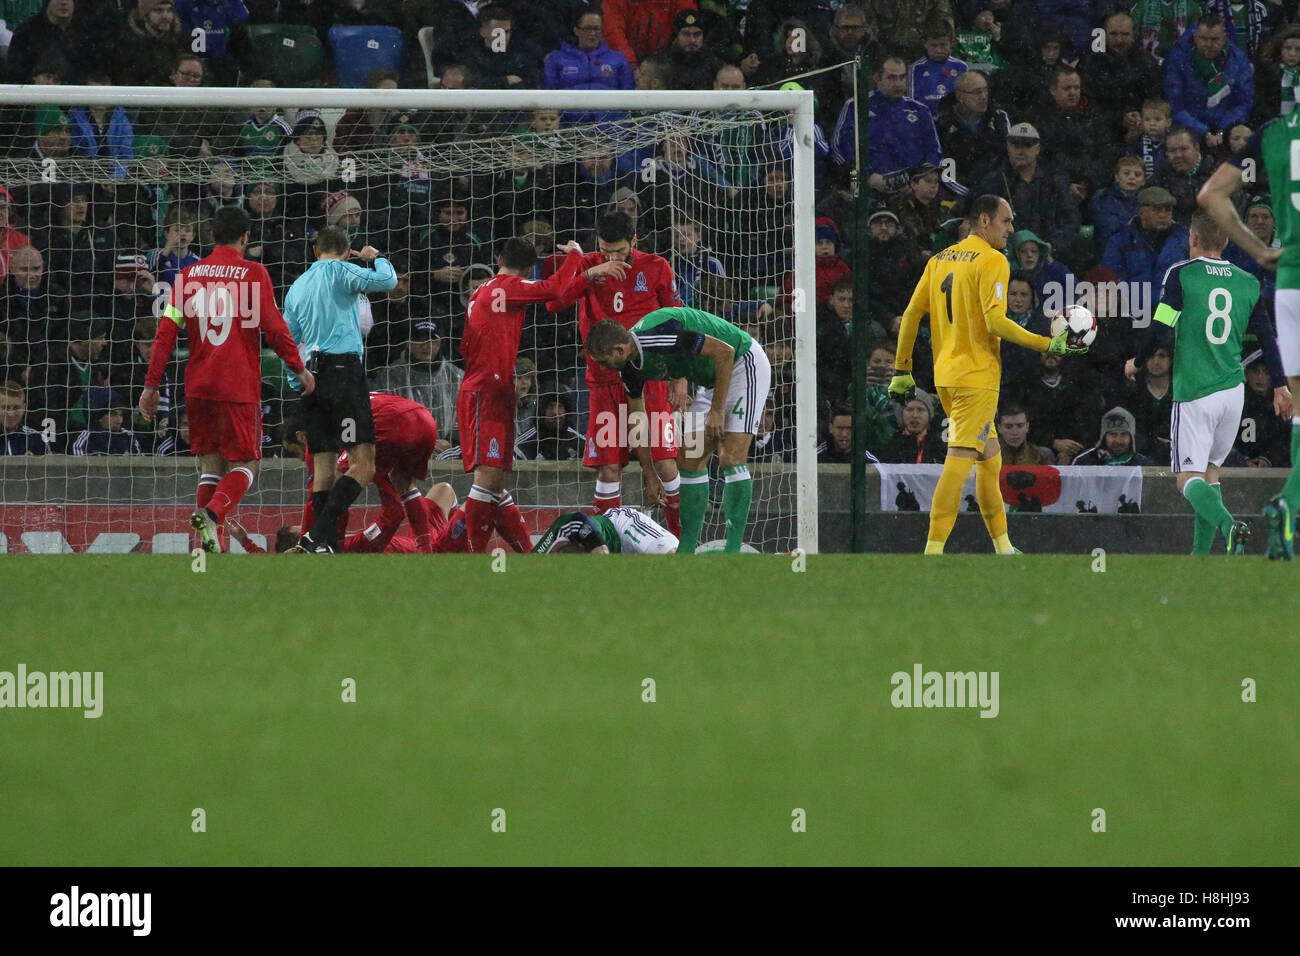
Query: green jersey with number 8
{"x": 1209, "y": 304}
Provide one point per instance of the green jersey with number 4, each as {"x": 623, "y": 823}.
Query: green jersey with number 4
{"x": 1275, "y": 147}
{"x": 669, "y": 342}
{"x": 1208, "y": 303}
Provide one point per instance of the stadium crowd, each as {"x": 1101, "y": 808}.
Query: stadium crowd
{"x": 1098, "y": 119}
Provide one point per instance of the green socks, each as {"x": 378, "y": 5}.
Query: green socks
{"x": 1207, "y": 501}
{"x": 1291, "y": 490}
{"x": 736, "y": 497}
{"x": 695, "y": 501}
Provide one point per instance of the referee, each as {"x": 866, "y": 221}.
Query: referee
{"x": 323, "y": 311}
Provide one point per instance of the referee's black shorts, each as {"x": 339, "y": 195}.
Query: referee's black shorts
{"x": 337, "y": 414}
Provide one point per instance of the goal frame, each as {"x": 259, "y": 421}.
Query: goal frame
{"x": 798, "y": 103}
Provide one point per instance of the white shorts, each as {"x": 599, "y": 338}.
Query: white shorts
{"x": 1202, "y": 431}
{"x": 1286, "y": 309}
{"x": 751, "y": 381}
{"x": 640, "y": 533}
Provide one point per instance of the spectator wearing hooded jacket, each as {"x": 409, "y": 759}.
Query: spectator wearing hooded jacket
{"x": 830, "y": 267}
{"x": 1049, "y": 278}
{"x": 587, "y": 63}
{"x": 1144, "y": 249}
{"x": 916, "y": 442}
{"x": 1074, "y": 17}
{"x": 902, "y": 129}
{"x": 1115, "y": 205}
{"x": 1117, "y": 444}
{"x": 1209, "y": 83}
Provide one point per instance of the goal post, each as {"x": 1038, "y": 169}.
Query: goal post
{"x": 693, "y": 162}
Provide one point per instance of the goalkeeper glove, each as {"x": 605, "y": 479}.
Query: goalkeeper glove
{"x": 1061, "y": 346}
{"x": 902, "y": 388}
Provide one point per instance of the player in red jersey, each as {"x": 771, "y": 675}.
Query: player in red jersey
{"x": 445, "y": 518}
{"x": 485, "y": 405}
{"x": 225, "y": 303}
{"x": 405, "y": 438}
{"x": 648, "y": 285}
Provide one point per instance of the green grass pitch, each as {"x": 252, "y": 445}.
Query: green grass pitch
{"x": 522, "y": 691}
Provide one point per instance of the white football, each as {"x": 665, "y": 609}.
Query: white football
{"x": 1079, "y": 322}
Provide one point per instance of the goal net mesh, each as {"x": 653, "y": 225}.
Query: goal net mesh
{"x": 102, "y": 207}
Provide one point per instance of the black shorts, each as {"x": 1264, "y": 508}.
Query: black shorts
{"x": 337, "y": 413}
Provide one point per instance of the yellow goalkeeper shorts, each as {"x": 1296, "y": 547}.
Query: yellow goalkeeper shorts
{"x": 970, "y": 414}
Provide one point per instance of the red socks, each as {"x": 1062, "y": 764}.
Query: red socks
{"x": 228, "y": 492}
{"x": 510, "y": 522}
{"x": 413, "y": 503}
{"x": 673, "y": 505}
{"x": 609, "y": 494}
{"x": 481, "y": 515}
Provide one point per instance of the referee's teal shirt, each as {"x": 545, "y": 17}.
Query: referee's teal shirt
{"x": 323, "y": 306}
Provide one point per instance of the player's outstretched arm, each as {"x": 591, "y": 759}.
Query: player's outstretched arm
{"x": 1215, "y": 198}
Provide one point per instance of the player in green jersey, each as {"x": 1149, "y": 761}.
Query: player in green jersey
{"x": 1209, "y": 304}
{"x": 732, "y": 378}
{"x": 617, "y": 531}
{"x": 1273, "y": 151}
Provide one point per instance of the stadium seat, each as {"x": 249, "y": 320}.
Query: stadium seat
{"x": 289, "y": 55}
{"x": 358, "y": 50}
{"x": 425, "y": 37}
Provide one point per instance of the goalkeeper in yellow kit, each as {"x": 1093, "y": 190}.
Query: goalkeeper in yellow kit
{"x": 964, "y": 289}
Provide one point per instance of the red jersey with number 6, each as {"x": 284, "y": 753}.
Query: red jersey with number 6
{"x": 648, "y": 285}
{"x": 225, "y": 303}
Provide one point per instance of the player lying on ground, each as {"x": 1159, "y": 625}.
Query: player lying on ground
{"x": 485, "y": 404}
{"x": 732, "y": 378}
{"x": 648, "y": 285}
{"x": 446, "y": 521}
{"x": 964, "y": 290}
{"x": 405, "y": 438}
{"x": 1271, "y": 149}
{"x": 617, "y": 531}
{"x": 224, "y": 303}
{"x": 1209, "y": 304}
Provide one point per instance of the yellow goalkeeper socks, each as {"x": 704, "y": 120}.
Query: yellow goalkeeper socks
{"x": 988, "y": 492}
{"x": 946, "y": 500}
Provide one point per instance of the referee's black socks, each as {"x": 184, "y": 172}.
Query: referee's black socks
{"x": 340, "y": 499}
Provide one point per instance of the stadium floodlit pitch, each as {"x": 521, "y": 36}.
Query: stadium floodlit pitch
{"x": 523, "y": 691}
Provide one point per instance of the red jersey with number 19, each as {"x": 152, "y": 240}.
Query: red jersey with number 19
{"x": 494, "y": 320}
{"x": 224, "y": 303}
{"x": 648, "y": 285}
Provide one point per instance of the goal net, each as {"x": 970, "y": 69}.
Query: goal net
{"x": 109, "y": 192}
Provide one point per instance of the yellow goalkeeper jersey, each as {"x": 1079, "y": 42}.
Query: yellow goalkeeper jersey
{"x": 964, "y": 290}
